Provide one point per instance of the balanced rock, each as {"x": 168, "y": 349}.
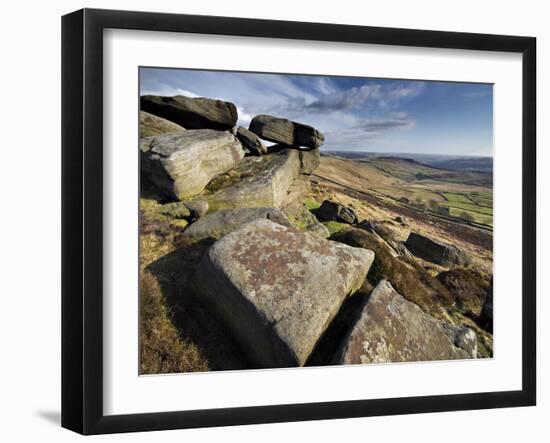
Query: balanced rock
{"x": 150, "y": 124}
{"x": 435, "y": 251}
{"x": 277, "y": 289}
{"x": 281, "y": 130}
{"x": 192, "y": 113}
{"x": 392, "y": 329}
{"x": 217, "y": 224}
{"x": 257, "y": 182}
{"x": 251, "y": 141}
{"x": 332, "y": 211}
{"x": 181, "y": 164}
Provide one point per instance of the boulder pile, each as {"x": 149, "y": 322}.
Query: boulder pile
{"x": 262, "y": 263}
{"x": 188, "y": 142}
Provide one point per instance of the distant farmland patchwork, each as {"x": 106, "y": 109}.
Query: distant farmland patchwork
{"x": 479, "y": 205}
{"x": 465, "y": 195}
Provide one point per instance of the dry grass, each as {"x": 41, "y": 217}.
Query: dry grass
{"x": 176, "y": 333}
{"x": 162, "y": 347}
{"x": 162, "y": 350}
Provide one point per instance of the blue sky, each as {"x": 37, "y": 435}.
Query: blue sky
{"x": 355, "y": 114}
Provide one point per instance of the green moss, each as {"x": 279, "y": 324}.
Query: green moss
{"x": 180, "y": 223}
{"x": 334, "y": 226}
{"x": 311, "y": 203}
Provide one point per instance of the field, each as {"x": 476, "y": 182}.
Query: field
{"x": 466, "y": 196}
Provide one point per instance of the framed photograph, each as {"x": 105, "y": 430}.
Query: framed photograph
{"x": 269, "y": 221}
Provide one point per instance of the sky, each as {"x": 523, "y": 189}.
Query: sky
{"x": 354, "y": 114}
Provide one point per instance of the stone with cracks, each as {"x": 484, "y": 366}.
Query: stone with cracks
{"x": 192, "y": 113}
{"x": 277, "y": 289}
{"x": 257, "y": 182}
{"x": 287, "y": 132}
{"x": 181, "y": 164}
{"x": 392, "y": 329}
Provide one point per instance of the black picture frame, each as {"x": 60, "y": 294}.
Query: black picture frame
{"x": 82, "y": 218}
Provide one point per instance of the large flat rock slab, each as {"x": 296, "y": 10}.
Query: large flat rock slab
{"x": 287, "y": 132}
{"x": 392, "y": 329}
{"x": 150, "y": 125}
{"x": 277, "y": 289}
{"x": 257, "y": 182}
{"x": 181, "y": 164}
{"x": 190, "y": 112}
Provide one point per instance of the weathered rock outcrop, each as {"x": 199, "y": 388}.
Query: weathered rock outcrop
{"x": 150, "y": 124}
{"x": 192, "y": 113}
{"x": 281, "y": 130}
{"x": 435, "y": 251}
{"x": 277, "y": 289}
{"x": 409, "y": 278}
{"x": 251, "y": 141}
{"x": 392, "y": 329}
{"x": 257, "y": 182}
{"x": 217, "y": 224}
{"x": 332, "y": 211}
{"x": 181, "y": 164}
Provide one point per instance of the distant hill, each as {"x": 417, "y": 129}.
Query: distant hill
{"x": 446, "y": 162}
{"x": 481, "y": 164}
{"x": 413, "y": 171}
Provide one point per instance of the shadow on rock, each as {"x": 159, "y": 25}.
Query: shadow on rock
{"x": 329, "y": 343}
{"x": 194, "y": 323}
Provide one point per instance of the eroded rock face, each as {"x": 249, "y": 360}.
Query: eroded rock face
{"x": 150, "y": 124}
{"x": 435, "y": 251}
{"x": 332, "y": 211}
{"x": 277, "y": 289}
{"x": 192, "y": 113}
{"x": 287, "y": 132}
{"x": 181, "y": 164}
{"x": 392, "y": 329}
{"x": 258, "y": 182}
{"x": 217, "y": 224}
{"x": 251, "y": 141}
